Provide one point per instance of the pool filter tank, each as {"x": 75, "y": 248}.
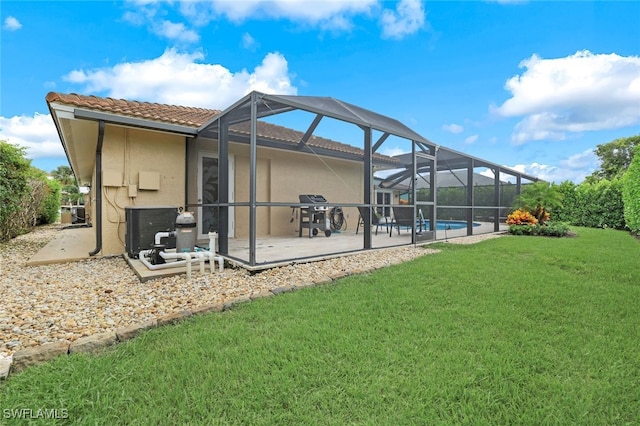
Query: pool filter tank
{"x": 185, "y": 232}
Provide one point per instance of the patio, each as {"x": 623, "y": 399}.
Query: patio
{"x": 76, "y": 243}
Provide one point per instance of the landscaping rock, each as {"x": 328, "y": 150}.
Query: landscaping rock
{"x": 5, "y": 367}
{"x": 207, "y": 308}
{"x": 94, "y": 343}
{"x": 282, "y": 289}
{"x": 337, "y": 275}
{"x": 132, "y": 331}
{"x": 261, "y": 294}
{"x": 37, "y": 355}
{"x": 68, "y": 301}
{"x": 173, "y": 318}
{"x": 303, "y": 285}
{"x": 236, "y": 301}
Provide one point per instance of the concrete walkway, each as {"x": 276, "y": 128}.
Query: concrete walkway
{"x": 70, "y": 245}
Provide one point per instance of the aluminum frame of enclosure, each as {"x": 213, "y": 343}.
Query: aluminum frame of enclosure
{"x": 425, "y": 159}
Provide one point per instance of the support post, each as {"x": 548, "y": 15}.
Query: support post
{"x": 223, "y": 186}
{"x": 367, "y": 187}
{"x": 498, "y": 202}
{"x": 252, "y": 179}
{"x": 470, "y": 197}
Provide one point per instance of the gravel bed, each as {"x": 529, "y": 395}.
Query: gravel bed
{"x": 63, "y": 302}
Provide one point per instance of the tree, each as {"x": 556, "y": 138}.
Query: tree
{"x": 539, "y": 199}
{"x": 64, "y": 175}
{"x": 70, "y": 191}
{"x": 615, "y": 158}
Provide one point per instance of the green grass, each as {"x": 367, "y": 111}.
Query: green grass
{"x": 515, "y": 330}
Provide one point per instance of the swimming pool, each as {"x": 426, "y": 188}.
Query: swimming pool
{"x": 448, "y": 224}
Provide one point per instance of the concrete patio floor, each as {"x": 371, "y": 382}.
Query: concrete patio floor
{"x": 75, "y": 244}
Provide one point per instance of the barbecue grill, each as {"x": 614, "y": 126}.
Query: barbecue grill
{"x": 313, "y": 216}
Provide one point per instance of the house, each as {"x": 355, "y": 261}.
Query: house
{"x": 240, "y": 175}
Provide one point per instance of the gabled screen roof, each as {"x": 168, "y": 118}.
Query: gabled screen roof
{"x": 268, "y": 105}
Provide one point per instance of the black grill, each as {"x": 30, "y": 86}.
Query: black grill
{"x": 313, "y": 216}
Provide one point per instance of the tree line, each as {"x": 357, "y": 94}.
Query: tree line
{"x": 28, "y": 197}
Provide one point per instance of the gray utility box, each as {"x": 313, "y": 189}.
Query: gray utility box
{"x": 143, "y": 222}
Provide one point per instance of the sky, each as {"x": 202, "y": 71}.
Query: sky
{"x": 530, "y": 85}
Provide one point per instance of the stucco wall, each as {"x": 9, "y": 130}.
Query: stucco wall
{"x": 125, "y": 153}
{"x": 281, "y": 177}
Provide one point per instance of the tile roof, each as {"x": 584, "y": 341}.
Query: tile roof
{"x": 196, "y": 117}
{"x": 186, "y": 116}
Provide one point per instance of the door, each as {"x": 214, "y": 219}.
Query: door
{"x": 208, "y": 186}
{"x": 383, "y": 201}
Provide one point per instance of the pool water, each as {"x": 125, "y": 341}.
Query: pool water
{"x": 448, "y": 224}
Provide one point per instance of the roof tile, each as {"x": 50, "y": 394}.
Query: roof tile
{"x": 196, "y": 117}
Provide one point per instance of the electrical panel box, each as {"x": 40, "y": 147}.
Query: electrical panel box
{"x": 133, "y": 191}
{"x": 142, "y": 224}
{"x": 111, "y": 177}
{"x": 149, "y": 181}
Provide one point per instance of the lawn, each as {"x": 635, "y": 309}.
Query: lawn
{"x": 514, "y": 330}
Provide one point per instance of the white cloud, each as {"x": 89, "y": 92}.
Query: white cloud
{"x": 471, "y": 139}
{"x": 408, "y": 18}
{"x": 150, "y": 13}
{"x": 574, "y": 168}
{"x": 392, "y": 151}
{"x": 11, "y": 24}
{"x": 38, "y": 134}
{"x": 453, "y": 128}
{"x": 182, "y": 79}
{"x": 329, "y": 14}
{"x": 578, "y": 93}
{"x": 248, "y": 42}
{"x": 175, "y": 31}
{"x": 335, "y": 15}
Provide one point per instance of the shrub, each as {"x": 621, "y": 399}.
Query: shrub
{"x": 14, "y": 186}
{"x": 631, "y": 193}
{"x": 51, "y": 204}
{"x": 521, "y": 217}
{"x": 595, "y": 205}
{"x": 539, "y": 199}
{"x": 550, "y": 229}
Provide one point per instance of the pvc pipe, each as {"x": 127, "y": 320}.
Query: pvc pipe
{"x": 161, "y": 235}
{"x": 212, "y": 261}
{"x": 177, "y": 263}
{"x": 212, "y": 241}
{"x": 212, "y": 252}
{"x": 186, "y": 256}
{"x": 200, "y": 257}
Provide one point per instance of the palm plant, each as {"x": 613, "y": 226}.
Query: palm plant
{"x": 539, "y": 199}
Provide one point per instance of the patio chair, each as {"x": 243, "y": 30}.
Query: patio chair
{"x": 375, "y": 219}
{"x": 403, "y": 216}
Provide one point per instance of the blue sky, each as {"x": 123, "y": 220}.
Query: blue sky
{"x": 529, "y": 85}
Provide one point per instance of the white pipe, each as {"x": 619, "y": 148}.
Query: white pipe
{"x": 212, "y": 261}
{"x": 186, "y": 256}
{"x": 212, "y": 241}
{"x": 201, "y": 258}
{"x": 161, "y": 235}
{"x": 143, "y": 255}
{"x": 212, "y": 252}
{"x": 186, "y": 259}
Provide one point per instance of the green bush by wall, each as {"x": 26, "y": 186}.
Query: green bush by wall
{"x": 631, "y": 193}
{"x": 595, "y": 205}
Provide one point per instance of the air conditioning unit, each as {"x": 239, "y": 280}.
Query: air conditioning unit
{"x": 143, "y": 222}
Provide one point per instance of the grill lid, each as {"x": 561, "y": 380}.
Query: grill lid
{"x": 313, "y": 199}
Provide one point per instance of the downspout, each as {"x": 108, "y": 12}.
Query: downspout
{"x": 98, "y": 190}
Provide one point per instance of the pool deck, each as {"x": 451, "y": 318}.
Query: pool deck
{"x": 75, "y": 244}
